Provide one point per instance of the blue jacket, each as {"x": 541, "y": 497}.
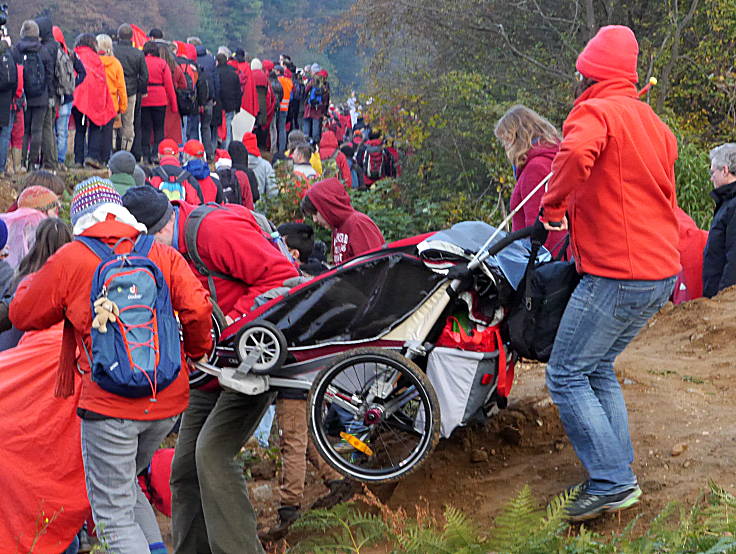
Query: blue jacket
{"x": 719, "y": 257}
{"x": 207, "y": 63}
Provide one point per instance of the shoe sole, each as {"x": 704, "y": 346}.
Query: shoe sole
{"x": 624, "y": 504}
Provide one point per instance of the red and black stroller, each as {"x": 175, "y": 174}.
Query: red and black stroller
{"x": 393, "y": 351}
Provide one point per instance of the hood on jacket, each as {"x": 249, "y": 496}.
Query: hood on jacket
{"x": 29, "y": 45}
{"x": 198, "y": 168}
{"x": 59, "y": 36}
{"x": 267, "y": 66}
{"x": 540, "y": 152}
{"x": 332, "y": 201}
{"x": 239, "y": 154}
{"x": 201, "y": 50}
{"x": 327, "y": 145}
{"x": 190, "y": 51}
{"x": 45, "y": 28}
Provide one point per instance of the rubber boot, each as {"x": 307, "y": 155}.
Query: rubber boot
{"x": 287, "y": 516}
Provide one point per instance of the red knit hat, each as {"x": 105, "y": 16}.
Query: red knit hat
{"x": 251, "y": 144}
{"x": 222, "y": 159}
{"x": 268, "y": 65}
{"x": 194, "y": 148}
{"x": 610, "y": 54}
{"x": 168, "y": 147}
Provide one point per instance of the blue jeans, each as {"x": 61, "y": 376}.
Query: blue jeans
{"x": 5, "y": 141}
{"x": 312, "y": 128}
{"x": 229, "y": 126}
{"x": 114, "y": 452}
{"x": 62, "y": 131}
{"x": 601, "y": 319}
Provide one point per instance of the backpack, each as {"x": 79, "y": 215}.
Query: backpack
{"x": 231, "y": 193}
{"x": 203, "y": 87}
{"x": 140, "y": 354}
{"x": 316, "y": 96}
{"x": 329, "y": 167}
{"x": 373, "y": 162}
{"x": 173, "y": 185}
{"x": 64, "y": 74}
{"x": 186, "y": 98}
{"x": 8, "y": 72}
{"x": 34, "y": 77}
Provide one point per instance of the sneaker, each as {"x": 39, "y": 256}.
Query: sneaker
{"x": 589, "y": 506}
{"x": 575, "y": 490}
{"x": 287, "y": 516}
{"x": 341, "y": 490}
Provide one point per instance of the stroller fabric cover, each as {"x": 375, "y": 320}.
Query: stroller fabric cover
{"x": 463, "y": 240}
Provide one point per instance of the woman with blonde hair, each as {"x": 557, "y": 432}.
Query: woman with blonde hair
{"x": 116, "y": 86}
{"x": 531, "y": 143}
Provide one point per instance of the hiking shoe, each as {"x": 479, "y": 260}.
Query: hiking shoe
{"x": 287, "y": 516}
{"x": 341, "y": 490}
{"x": 589, "y": 506}
{"x": 575, "y": 490}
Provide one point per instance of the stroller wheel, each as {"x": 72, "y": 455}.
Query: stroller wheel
{"x": 263, "y": 343}
{"x": 373, "y": 415}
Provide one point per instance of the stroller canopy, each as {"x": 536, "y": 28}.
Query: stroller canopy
{"x": 463, "y": 240}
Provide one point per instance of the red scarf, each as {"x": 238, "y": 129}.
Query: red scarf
{"x": 92, "y": 97}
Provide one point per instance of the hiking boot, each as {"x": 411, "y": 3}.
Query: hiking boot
{"x": 287, "y": 516}
{"x": 341, "y": 490}
{"x": 589, "y": 506}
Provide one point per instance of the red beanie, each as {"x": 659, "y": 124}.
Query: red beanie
{"x": 222, "y": 159}
{"x": 267, "y": 66}
{"x": 610, "y": 54}
{"x": 190, "y": 51}
{"x": 251, "y": 144}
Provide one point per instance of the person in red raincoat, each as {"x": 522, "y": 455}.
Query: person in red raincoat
{"x": 153, "y": 106}
{"x": 92, "y": 107}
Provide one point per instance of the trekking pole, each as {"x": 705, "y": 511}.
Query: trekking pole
{"x": 482, "y": 254}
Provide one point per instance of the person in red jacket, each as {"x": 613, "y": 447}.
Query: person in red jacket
{"x": 119, "y": 434}
{"x": 531, "y": 143}
{"x": 614, "y": 177}
{"x": 160, "y": 94}
{"x": 334, "y": 162}
{"x": 210, "y": 503}
{"x": 353, "y": 232}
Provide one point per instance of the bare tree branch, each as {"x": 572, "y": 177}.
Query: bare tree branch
{"x": 664, "y": 83}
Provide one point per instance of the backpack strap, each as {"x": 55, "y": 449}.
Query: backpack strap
{"x": 98, "y": 248}
{"x": 143, "y": 244}
{"x": 191, "y": 231}
{"x": 195, "y": 184}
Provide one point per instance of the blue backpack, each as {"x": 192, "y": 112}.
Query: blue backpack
{"x": 140, "y": 354}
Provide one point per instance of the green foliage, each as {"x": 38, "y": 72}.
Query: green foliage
{"x": 693, "y": 182}
{"x": 708, "y": 526}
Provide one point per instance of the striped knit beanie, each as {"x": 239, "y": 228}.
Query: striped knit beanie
{"x": 90, "y": 194}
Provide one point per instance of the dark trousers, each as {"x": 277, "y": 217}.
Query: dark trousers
{"x": 152, "y": 123}
{"x": 48, "y": 146}
{"x": 106, "y": 142}
{"x": 33, "y": 134}
{"x": 87, "y": 138}
{"x": 209, "y": 140}
{"x": 211, "y": 510}
{"x": 137, "y": 149}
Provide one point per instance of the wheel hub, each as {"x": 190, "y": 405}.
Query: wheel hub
{"x": 373, "y": 415}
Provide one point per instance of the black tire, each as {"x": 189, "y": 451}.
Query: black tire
{"x": 262, "y": 332}
{"x": 198, "y": 378}
{"x": 391, "y": 437}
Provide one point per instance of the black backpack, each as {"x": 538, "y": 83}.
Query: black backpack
{"x": 231, "y": 193}
{"x": 540, "y": 303}
{"x": 34, "y": 74}
{"x": 8, "y": 71}
{"x": 186, "y": 98}
{"x": 203, "y": 87}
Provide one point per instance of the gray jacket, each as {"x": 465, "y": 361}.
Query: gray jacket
{"x": 134, "y": 65}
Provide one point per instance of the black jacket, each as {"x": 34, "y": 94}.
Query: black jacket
{"x": 230, "y": 92}
{"x": 30, "y": 45}
{"x": 719, "y": 257}
{"x": 134, "y": 65}
{"x": 45, "y": 28}
{"x": 207, "y": 64}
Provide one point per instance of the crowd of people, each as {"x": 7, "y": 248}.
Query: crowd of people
{"x": 178, "y": 210}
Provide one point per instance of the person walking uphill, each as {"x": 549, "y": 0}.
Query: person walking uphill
{"x": 119, "y": 432}
{"x": 211, "y": 510}
{"x": 615, "y": 178}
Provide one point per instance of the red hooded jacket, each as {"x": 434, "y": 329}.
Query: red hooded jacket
{"x": 353, "y": 232}
{"x": 91, "y": 96}
{"x": 231, "y": 242}
{"x": 64, "y": 283}
{"x": 615, "y": 178}
{"x": 328, "y": 149}
{"x": 537, "y": 167}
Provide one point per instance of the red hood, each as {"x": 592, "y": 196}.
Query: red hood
{"x": 542, "y": 151}
{"x": 607, "y": 89}
{"x": 190, "y": 51}
{"x": 59, "y": 37}
{"x": 327, "y": 145}
{"x": 332, "y": 201}
{"x": 374, "y": 142}
{"x": 267, "y": 66}
{"x": 169, "y": 160}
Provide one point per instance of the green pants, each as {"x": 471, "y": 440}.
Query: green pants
{"x": 211, "y": 510}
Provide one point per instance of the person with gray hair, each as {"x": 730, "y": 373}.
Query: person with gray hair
{"x": 719, "y": 257}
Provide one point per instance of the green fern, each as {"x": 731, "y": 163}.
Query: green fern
{"x": 344, "y": 528}
{"x": 458, "y": 535}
